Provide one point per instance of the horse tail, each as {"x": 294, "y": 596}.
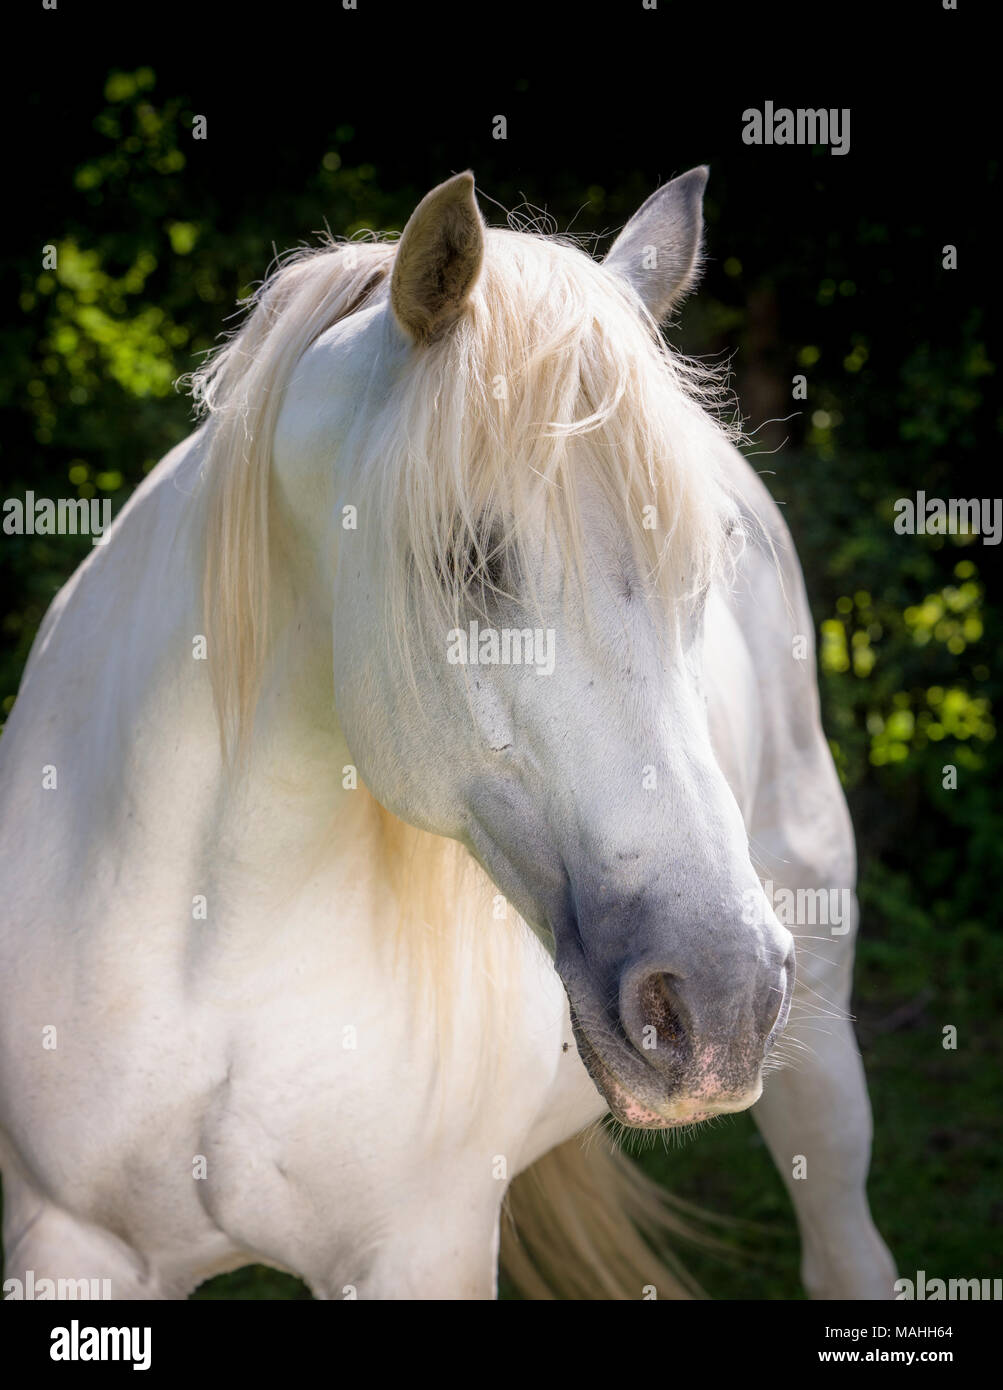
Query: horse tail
{"x": 583, "y": 1222}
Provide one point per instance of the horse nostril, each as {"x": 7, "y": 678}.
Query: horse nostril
{"x": 659, "y": 1010}
{"x": 779, "y": 1007}
{"x": 789, "y": 967}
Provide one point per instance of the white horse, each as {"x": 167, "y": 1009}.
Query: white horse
{"x": 442, "y": 852}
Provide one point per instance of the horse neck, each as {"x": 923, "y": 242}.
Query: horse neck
{"x": 284, "y": 808}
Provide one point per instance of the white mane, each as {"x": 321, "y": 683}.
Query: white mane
{"x": 555, "y": 372}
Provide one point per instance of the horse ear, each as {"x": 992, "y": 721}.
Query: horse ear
{"x": 438, "y": 259}
{"x": 658, "y": 251}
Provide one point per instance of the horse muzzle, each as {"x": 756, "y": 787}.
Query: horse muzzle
{"x": 679, "y": 1046}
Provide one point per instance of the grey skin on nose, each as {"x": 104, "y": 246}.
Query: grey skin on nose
{"x": 678, "y": 1021}
{"x": 716, "y": 1019}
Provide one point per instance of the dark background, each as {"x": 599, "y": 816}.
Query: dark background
{"x": 817, "y": 264}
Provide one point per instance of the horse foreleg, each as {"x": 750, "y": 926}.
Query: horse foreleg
{"x": 815, "y": 1116}
{"x": 442, "y": 1256}
{"x": 52, "y": 1254}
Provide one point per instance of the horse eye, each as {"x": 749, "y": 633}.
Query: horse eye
{"x": 483, "y": 571}
{"x": 494, "y": 565}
